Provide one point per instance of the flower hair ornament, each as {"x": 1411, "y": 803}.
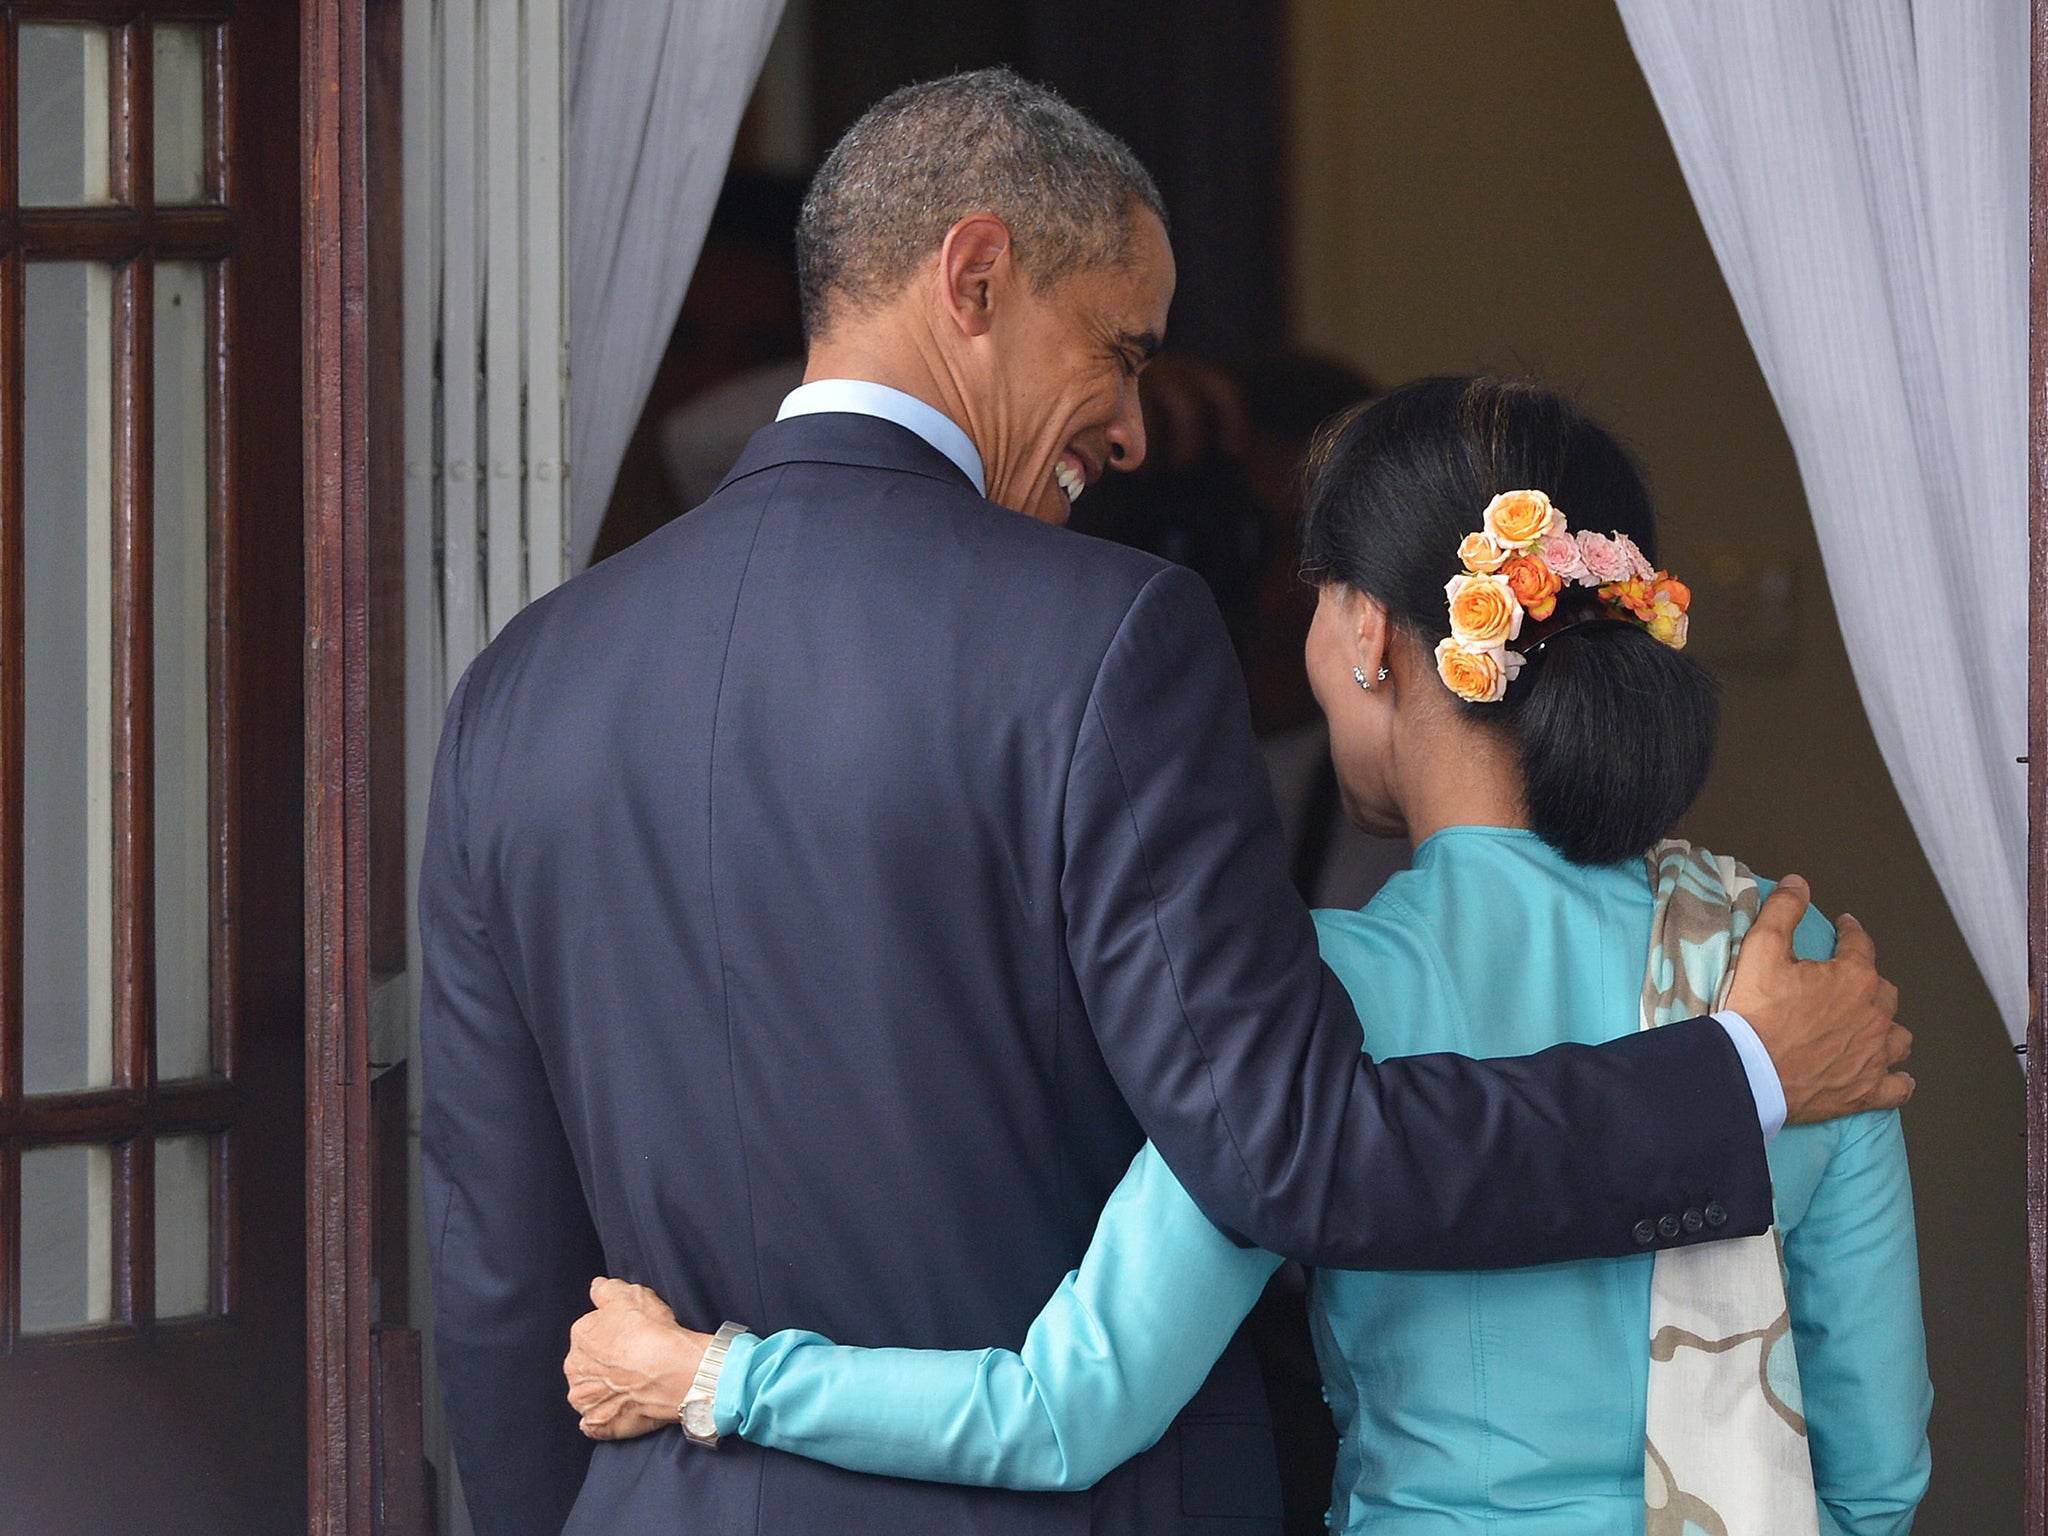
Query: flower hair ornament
{"x": 1516, "y": 568}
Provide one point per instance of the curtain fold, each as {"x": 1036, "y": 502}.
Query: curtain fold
{"x": 1861, "y": 170}
{"x": 656, "y": 91}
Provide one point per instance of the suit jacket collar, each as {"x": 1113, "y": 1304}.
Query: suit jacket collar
{"x": 837, "y": 437}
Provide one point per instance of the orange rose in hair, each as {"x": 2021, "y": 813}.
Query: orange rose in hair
{"x": 1659, "y": 605}
{"x": 1483, "y": 610}
{"x": 1534, "y": 584}
{"x": 1636, "y": 599}
{"x": 1667, "y": 620}
{"x": 1519, "y": 519}
{"x": 1483, "y": 554}
{"x": 1671, "y": 629}
{"x": 1479, "y": 674}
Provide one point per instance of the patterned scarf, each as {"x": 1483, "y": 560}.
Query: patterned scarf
{"x": 1726, "y": 1452}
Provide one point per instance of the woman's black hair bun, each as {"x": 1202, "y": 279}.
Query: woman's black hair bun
{"x": 1614, "y": 730}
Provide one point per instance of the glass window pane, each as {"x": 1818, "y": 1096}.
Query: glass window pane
{"x": 67, "y": 1237}
{"x": 63, "y": 115}
{"x": 184, "y": 1206}
{"x": 183, "y": 991}
{"x": 180, "y": 87}
{"x": 67, "y": 810}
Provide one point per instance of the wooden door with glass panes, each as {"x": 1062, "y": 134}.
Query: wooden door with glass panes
{"x": 151, "y": 1201}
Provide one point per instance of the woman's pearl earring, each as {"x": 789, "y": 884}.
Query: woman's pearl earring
{"x": 1359, "y": 673}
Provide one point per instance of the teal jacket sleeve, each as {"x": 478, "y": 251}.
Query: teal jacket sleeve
{"x": 1854, "y": 1272}
{"x": 1119, "y": 1349}
{"x": 1855, "y": 1295}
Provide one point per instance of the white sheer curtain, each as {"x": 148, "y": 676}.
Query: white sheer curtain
{"x": 1861, "y": 169}
{"x": 656, "y": 89}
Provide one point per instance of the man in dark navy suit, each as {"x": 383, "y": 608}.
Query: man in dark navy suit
{"x": 825, "y": 897}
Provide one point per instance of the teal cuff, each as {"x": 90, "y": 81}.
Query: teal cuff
{"x": 728, "y": 1403}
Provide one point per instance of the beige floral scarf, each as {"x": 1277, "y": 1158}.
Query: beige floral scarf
{"x": 1726, "y": 1451}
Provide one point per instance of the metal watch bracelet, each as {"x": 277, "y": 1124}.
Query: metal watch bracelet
{"x": 697, "y": 1413}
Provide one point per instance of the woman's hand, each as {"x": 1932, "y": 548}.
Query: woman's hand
{"x": 630, "y": 1363}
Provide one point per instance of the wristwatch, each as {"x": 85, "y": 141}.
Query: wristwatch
{"x": 697, "y": 1415}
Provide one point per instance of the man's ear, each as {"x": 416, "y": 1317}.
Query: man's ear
{"x": 975, "y": 266}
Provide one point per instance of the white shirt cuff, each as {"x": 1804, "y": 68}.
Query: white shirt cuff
{"x": 1764, "y": 1086}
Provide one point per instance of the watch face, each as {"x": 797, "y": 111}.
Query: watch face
{"x": 700, "y": 1420}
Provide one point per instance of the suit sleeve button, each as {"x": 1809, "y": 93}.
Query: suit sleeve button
{"x": 1692, "y": 1220}
{"x": 1668, "y": 1225}
{"x": 1717, "y": 1214}
{"x": 1645, "y": 1232}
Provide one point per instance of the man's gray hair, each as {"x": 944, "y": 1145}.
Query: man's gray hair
{"x": 927, "y": 156}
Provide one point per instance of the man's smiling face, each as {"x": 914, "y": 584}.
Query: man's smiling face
{"x": 1066, "y": 406}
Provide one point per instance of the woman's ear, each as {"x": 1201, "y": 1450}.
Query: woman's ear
{"x": 975, "y": 266}
{"x": 1371, "y": 633}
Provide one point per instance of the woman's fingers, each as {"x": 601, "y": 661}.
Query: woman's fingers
{"x": 629, "y": 1363}
{"x": 608, "y": 1292}
{"x": 619, "y": 1424}
{"x": 603, "y": 1411}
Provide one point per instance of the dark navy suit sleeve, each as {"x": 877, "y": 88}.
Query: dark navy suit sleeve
{"x": 509, "y": 1231}
{"x": 1243, "y": 1059}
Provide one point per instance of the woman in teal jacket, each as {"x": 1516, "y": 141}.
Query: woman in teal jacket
{"x": 1534, "y": 751}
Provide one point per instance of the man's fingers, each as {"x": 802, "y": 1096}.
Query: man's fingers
{"x": 1765, "y": 971}
{"x": 1853, "y": 943}
{"x": 1887, "y": 997}
{"x": 1783, "y": 909}
{"x": 1893, "y": 1091}
{"x": 1898, "y": 1045}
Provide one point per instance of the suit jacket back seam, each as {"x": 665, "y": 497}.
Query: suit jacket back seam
{"x": 711, "y": 889}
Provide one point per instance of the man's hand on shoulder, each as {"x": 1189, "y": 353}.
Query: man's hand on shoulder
{"x": 1829, "y": 1025}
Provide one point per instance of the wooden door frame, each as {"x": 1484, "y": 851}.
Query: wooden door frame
{"x": 197, "y": 1420}
{"x": 339, "y": 1430}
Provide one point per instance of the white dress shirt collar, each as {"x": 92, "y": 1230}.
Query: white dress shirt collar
{"x": 863, "y": 397}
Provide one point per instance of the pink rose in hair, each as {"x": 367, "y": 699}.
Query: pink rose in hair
{"x": 1605, "y": 560}
{"x": 1560, "y": 552}
{"x": 1639, "y": 568}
